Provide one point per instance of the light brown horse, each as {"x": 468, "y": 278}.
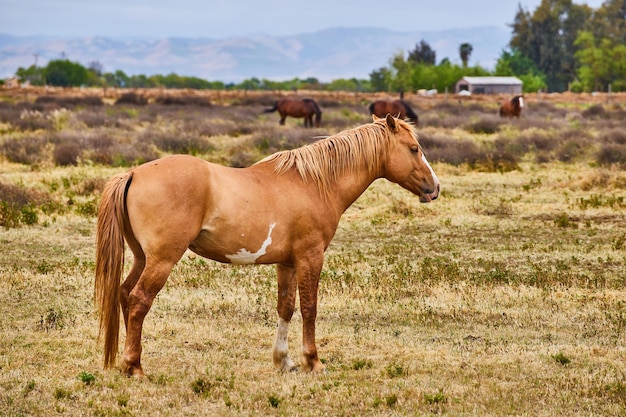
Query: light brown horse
{"x": 282, "y": 210}
{"x": 398, "y": 108}
{"x": 512, "y": 108}
{"x": 297, "y": 107}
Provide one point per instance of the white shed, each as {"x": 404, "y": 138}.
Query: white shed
{"x": 489, "y": 85}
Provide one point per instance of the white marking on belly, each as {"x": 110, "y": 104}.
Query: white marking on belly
{"x": 244, "y": 256}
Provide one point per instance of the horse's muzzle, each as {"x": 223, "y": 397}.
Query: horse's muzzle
{"x": 429, "y": 195}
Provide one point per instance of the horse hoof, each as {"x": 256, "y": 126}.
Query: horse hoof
{"x": 133, "y": 371}
{"x": 319, "y": 369}
{"x": 289, "y": 366}
{"x": 313, "y": 366}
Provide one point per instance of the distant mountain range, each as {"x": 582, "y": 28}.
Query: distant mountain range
{"x": 326, "y": 55}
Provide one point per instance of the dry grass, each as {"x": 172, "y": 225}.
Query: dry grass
{"x": 504, "y": 297}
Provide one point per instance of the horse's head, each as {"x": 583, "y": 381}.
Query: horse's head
{"x": 406, "y": 164}
{"x": 518, "y": 102}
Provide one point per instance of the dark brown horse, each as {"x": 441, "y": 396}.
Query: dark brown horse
{"x": 282, "y": 210}
{"x": 297, "y": 107}
{"x": 512, "y": 108}
{"x": 397, "y": 108}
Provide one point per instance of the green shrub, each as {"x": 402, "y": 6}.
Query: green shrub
{"x": 438, "y": 398}
{"x": 201, "y": 386}
{"x": 274, "y": 400}
{"x": 87, "y": 378}
{"x": 561, "y": 358}
{"x": 18, "y": 205}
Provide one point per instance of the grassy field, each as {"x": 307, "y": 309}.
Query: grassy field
{"x": 503, "y": 297}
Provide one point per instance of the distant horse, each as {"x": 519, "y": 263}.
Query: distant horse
{"x": 297, "y": 107}
{"x": 397, "y": 108}
{"x": 512, "y": 108}
{"x": 282, "y": 210}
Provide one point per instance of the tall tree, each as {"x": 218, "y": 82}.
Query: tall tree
{"x": 422, "y": 54}
{"x": 513, "y": 62}
{"x": 602, "y": 63}
{"x": 402, "y": 73}
{"x": 609, "y": 21}
{"x": 548, "y": 38}
{"x": 65, "y": 73}
{"x": 465, "y": 50}
{"x": 380, "y": 79}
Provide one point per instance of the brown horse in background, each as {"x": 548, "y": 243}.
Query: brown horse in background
{"x": 512, "y": 108}
{"x": 282, "y": 210}
{"x": 297, "y": 107}
{"x": 397, "y": 108}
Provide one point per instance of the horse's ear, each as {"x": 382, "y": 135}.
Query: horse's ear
{"x": 374, "y": 117}
{"x": 391, "y": 122}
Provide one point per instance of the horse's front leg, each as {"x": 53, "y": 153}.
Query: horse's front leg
{"x": 286, "y": 304}
{"x": 308, "y": 275}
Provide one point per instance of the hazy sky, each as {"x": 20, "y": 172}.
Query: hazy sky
{"x": 212, "y": 19}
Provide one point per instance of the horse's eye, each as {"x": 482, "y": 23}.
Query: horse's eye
{"x": 415, "y": 150}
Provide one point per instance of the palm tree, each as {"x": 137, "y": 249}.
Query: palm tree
{"x": 465, "y": 50}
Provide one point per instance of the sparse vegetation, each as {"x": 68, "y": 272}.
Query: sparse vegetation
{"x": 504, "y": 296}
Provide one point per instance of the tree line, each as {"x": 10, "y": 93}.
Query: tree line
{"x": 559, "y": 46}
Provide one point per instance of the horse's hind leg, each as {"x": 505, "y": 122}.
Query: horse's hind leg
{"x": 286, "y": 305}
{"x": 139, "y": 263}
{"x": 138, "y": 303}
{"x": 129, "y": 283}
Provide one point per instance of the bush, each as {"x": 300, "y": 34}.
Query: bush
{"x": 613, "y": 136}
{"x": 125, "y": 155}
{"x": 26, "y": 150}
{"x": 486, "y": 125}
{"x": 169, "y": 100}
{"x": 69, "y": 101}
{"x": 95, "y": 118}
{"x": 594, "y": 112}
{"x": 176, "y": 142}
{"x": 455, "y": 152}
{"x": 274, "y": 139}
{"x": 67, "y": 153}
{"x": 31, "y": 120}
{"x": 569, "y": 151}
{"x": 612, "y": 154}
{"x": 243, "y": 158}
{"x": 18, "y": 205}
{"x": 132, "y": 98}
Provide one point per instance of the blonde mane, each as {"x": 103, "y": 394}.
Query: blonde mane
{"x": 349, "y": 151}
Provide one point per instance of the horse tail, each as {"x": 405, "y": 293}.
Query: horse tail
{"x": 272, "y": 109}
{"x": 110, "y": 262}
{"x": 318, "y": 113}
